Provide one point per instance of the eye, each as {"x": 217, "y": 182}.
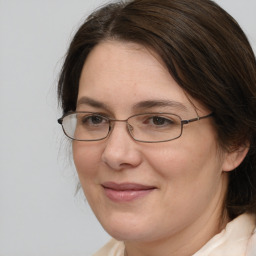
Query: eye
{"x": 92, "y": 120}
{"x": 158, "y": 120}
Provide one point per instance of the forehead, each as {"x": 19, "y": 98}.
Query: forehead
{"x": 121, "y": 75}
{"x": 119, "y": 60}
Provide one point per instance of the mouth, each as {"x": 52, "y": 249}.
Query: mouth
{"x": 125, "y": 192}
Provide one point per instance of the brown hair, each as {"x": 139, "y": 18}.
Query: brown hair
{"x": 204, "y": 50}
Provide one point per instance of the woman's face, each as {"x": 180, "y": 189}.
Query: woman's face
{"x": 146, "y": 191}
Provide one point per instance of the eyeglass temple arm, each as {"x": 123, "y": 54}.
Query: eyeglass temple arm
{"x": 196, "y": 119}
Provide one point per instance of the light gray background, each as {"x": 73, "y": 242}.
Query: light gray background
{"x": 39, "y": 214}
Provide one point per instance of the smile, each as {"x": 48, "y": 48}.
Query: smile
{"x": 126, "y": 192}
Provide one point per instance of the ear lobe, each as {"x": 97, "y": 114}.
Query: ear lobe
{"x": 234, "y": 158}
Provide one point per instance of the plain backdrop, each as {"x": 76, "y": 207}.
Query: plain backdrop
{"x": 40, "y": 215}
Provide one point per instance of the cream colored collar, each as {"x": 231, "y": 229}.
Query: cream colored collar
{"x": 234, "y": 240}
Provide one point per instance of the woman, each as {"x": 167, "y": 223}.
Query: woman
{"x": 159, "y": 98}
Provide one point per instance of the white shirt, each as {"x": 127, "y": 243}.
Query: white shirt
{"x": 237, "y": 239}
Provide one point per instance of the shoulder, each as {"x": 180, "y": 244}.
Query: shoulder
{"x": 112, "y": 248}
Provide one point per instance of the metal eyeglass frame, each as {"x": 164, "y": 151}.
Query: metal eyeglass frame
{"x": 182, "y": 122}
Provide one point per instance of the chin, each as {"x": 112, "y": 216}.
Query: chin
{"x": 124, "y": 230}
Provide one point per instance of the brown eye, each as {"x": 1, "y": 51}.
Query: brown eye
{"x": 157, "y": 120}
{"x": 93, "y": 120}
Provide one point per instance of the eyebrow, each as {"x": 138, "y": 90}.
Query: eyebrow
{"x": 147, "y": 104}
{"x": 159, "y": 103}
{"x": 91, "y": 102}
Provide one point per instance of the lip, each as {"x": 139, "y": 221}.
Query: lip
{"x": 126, "y": 192}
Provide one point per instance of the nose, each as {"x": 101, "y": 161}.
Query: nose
{"x": 121, "y": 151}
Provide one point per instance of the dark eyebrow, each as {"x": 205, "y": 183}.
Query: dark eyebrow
{"x": 159, "y": 103}
{"x": 143, "y": 105}
{"x": 91, "y": 102}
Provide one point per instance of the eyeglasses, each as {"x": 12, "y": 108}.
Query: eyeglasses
{"x": 148, "y": 127}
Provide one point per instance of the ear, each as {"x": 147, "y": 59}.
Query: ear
{"x": 234, "y": 158}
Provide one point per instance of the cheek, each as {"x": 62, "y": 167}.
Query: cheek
{"x": 190, "y": 178}
{"x": 86, "y": 159}
{"x": 187, "y": 165}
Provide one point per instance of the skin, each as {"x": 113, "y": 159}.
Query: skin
{"x": 189, "y": 174}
